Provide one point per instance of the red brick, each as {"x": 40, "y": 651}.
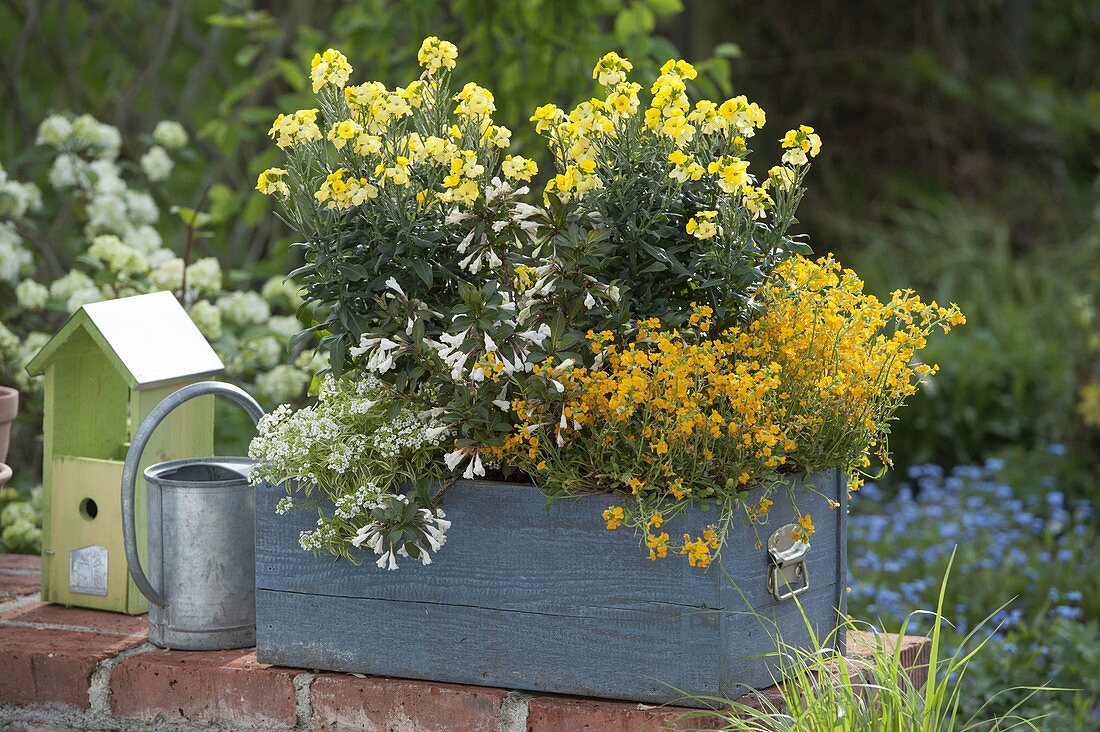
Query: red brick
{"x": 93, "y": 620}
{"x": 563, "y": 714}
{"x": 342, "y": 702}
{"x": 217, "y": 686}
{"x": 915, "y": 651}
{"x": 20, "y": 562}
{"x": 53, "y": 666}
{"x": 19, "y": 575}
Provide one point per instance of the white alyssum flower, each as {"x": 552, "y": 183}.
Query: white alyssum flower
{"x": 157, "y": 164}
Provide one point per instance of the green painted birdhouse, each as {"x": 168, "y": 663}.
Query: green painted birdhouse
{"x": 107, "y": 367}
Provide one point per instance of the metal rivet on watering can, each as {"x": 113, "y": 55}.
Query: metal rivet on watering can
{"x": 202, "y": 572}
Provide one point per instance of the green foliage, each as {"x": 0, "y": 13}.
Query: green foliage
{"x": 21, "y": 521}
{"x": 873, "y": 691}
{"x": 1012, "y": 375}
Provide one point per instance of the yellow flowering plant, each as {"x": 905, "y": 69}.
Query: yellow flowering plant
{"x": 670, "y": 181}
{"x": 430, "y": 275}
{"x": 682, "y": 415}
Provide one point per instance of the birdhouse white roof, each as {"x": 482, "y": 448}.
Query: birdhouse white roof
{"x": 149, "y": 337}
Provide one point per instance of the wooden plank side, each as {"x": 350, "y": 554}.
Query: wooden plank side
{"x": 625, "y": 654}
{"x": 97, "y": 480}
{"x": 507, "y": 550}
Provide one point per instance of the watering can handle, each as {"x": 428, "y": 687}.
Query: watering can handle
{"x": 133, "y": 457}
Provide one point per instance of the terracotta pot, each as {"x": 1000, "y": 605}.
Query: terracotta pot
{"x": 9, "y": 407}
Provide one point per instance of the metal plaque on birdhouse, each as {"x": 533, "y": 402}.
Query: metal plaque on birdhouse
{"x": 88, "y": 570}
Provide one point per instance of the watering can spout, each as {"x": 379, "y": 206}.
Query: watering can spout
{"x": 200, "y": 532}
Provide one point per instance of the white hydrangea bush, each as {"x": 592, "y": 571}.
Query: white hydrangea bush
{"x": 121, "y": 251}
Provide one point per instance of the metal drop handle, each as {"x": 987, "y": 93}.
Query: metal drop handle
{"x": 133, "y": 456}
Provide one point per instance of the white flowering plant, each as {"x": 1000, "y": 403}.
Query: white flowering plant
{"x": 364, "y": 454}
{"x": 119, "y": 250}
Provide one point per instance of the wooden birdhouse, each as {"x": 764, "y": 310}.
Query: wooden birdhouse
{"x": 105, "y": 369}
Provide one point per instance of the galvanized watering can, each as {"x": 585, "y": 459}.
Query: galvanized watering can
{"x": 202, "y": 572}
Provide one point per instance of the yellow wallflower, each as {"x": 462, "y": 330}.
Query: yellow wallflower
{"x": 732, "y": 173}
{"x": 435, "y": 54}
{"x": 611, "y": 70}
{"x": 330, "y": 67}
{"x": 800, "y": 143}
{"x": 295, "y": 129}
{"x": 756, "y": 201}
{"x": 702, "y": 225}
{"x": 342, "y": 132}
{"x": 517, "y": 167}
{"x": 474, "y": 100}
{"x": 271, "y": 182}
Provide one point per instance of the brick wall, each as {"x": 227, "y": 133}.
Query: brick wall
{"x": 66, "y": 668}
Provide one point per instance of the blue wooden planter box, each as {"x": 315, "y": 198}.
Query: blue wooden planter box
{"x": 524, "y": 596}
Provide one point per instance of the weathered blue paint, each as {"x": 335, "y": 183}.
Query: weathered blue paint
{"x": 526, "y": 596}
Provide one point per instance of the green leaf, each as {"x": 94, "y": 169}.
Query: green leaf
{"x": 292, "y": 73}
{"x": 666, "y": 7}
{"x": 728, "y": 50}
{"x": 423, "y": 270}
{"x": 191, "y": 217}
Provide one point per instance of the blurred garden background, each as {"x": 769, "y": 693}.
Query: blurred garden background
{"x": 960, "y": 159}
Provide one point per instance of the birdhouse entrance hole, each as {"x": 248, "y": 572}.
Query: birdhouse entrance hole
{"x": 89, "y": 509}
